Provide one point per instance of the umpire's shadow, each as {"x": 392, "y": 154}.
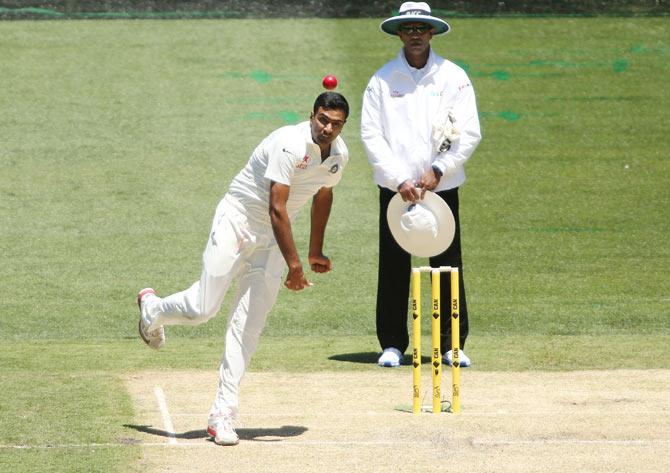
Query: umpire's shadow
{"x": 256, "y": 434}
{"x": 371, "y": 357}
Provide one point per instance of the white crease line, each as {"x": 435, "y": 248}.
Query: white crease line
{"x": 204, "y": 444}
{"x": 315, "y": 443}
{"x": 393, "y": 412}
{"x": 629, "y": 443}
{"x": 77, "y": 445}
{"x": 167, "y": 421}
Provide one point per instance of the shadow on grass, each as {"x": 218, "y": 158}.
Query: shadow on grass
{"x": 191, "y": 434}
{"x": 284, "y": 431}
{"x": 364, "y": 357}
{"x": 371, "y": 357}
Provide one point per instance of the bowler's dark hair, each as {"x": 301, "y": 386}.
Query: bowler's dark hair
{"x": 332, "y": 101}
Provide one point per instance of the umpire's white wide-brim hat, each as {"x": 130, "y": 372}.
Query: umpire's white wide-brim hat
{"x": 423, "y": 229}
{"x": 411, "y": 12}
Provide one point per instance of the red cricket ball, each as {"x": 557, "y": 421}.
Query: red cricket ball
{"x": 329, "y": 82}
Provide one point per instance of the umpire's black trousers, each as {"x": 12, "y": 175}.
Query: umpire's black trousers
{"x": 395, "y": 266}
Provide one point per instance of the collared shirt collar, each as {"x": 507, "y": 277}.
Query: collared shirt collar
{"x": 313, "y": 149}
{"x": 406, "y": 69}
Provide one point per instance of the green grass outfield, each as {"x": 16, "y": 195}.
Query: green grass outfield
{"x": 117, "y": 139}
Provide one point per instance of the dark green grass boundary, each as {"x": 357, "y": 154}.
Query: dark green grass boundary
{"x": 218, "y": 9}
{"x": 47, "y": 14}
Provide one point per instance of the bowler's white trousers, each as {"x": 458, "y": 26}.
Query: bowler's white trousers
{"x": 237, "y": 249}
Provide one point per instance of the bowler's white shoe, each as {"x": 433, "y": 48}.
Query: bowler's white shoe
{"x": 154, "y": 338}
{"x": 391, "y": 357}
{"x": 220, "y": 428}
{"x": 463, "y": 360}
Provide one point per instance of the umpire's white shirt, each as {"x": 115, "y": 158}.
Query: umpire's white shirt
{"x": 399, "y": 109}
{"x": 288, "y": 156}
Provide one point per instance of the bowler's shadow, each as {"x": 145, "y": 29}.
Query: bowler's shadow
{"x": 371, "y": 357}
{"x": 285, "y": 431}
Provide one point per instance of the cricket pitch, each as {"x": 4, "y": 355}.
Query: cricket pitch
{"x": 587, "y": 421}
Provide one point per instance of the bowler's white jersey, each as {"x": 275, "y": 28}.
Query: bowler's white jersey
{"x": 288, "y": 156}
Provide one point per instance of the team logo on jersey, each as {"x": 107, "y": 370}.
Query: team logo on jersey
{"x": 304, "y": 163}
{"x": 334, "y": 168}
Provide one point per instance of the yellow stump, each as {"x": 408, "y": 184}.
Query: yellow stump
{"x": 436, "y": 361}
{"x": 416, "y": 340}
{"x": 455, "y": 343}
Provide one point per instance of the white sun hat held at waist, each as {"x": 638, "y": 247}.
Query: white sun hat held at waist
{"x": 424, "y": 229}
{"x": 411, "y": 12}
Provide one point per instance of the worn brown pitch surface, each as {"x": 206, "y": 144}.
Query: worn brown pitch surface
{"x": 586, "y": 421}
